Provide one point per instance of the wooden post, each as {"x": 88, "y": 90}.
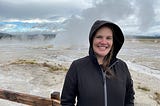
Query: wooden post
{"x": 56, "y": 97}
{"x": 28, "y": 99}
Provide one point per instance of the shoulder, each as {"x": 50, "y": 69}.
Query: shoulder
{"x": 122, "y": 63}
{"x": 82, "y": 60}
{"x": 82, "y": 63}
{"x": 79, "y": 64}
{"x": 122, "y": 70}
{"x": 122, "y": 67}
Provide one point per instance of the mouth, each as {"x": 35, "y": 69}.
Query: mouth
{"x": 103, "y": 47}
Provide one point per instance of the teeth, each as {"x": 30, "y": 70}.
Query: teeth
{"x": 102, "y": 47}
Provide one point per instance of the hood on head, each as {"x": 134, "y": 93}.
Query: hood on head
{"x": 118, "y": 38}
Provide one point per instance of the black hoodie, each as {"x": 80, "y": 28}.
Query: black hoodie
{"x": 84, "y": 79}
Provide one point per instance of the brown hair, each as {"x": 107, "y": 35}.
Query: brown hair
{"x": 106, "y": 63}
{"x": 107, "y": 59}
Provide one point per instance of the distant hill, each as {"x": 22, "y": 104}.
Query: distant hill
{"x": 142, "y": 37}
{"x": 27, "y": 37}
{"x": 5, "y": 35}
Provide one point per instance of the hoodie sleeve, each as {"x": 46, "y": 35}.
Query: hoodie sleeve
{"x": 129, "y": 97}
{"x": 69, "y": 91}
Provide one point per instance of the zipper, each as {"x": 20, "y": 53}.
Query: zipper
{"x": 105, "y": 87}
{"x": 113, "y": 64}
{"x": 105, "y": 82}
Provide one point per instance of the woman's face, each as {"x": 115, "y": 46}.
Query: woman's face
{"x": 102, "y": 42}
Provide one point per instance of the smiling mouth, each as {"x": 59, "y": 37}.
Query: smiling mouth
{"x": 103, "y": 47}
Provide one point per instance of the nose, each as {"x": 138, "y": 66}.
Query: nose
{"x": 104, "y": 41}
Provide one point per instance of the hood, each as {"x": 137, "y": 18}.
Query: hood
{"x": 118, "y": 38}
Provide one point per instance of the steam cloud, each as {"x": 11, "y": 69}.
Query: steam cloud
{"x": 77, "y": 28}
{"x": 146, "y": 14}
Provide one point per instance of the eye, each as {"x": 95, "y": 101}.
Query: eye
{"x": 109, "y": 38}
{"x": 98, "y": 36}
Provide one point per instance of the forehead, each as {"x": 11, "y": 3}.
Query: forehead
{"x": 104, "y": 29}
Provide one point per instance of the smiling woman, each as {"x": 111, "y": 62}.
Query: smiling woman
{"x": 102, "y": 43}
{"x": 101, "y": 78}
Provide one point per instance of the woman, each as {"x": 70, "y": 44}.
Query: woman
{"x": 100, "y": 79}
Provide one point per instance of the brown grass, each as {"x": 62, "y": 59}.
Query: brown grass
{"x": 55, "y": 67}
{"x": 51, "y": 67}
{"x": 23, "y": 61}
{"x": 143, "y": 88}
{"x": 157, "y": 97}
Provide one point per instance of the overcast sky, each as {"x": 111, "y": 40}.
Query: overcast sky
{"x": 28, "y": 9}
{"x": 134, "y": 16}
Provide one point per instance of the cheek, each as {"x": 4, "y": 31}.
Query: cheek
{"x": 95, "y": 41}
{"x": 94, "y": 46}
{"x": 111, "y": 43}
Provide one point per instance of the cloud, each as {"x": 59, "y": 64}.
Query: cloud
{"x": 133, "y": 16}
{"x": 146, "y": 13}
{"x": 28, "y": 9}
{"x": 38, "y": 16}
{"x": 77, "y": 28}
{"x": 6, "y": 27}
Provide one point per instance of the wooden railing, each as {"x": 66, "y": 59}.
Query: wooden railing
{"x": 30, "y": 99}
